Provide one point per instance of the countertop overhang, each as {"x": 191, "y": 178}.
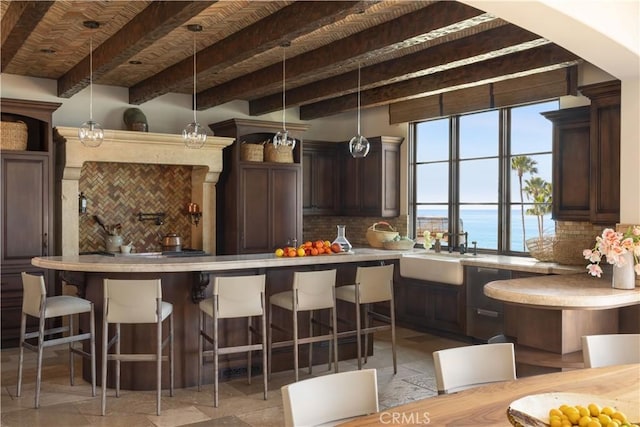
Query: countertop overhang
{"x": 108, "y": 264}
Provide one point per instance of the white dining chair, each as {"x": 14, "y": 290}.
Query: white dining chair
{"x": 460, "y": 368}
{"x": 35, "y": 303}
{"x": 372, "y": 285}
{"x": 330, "y": 399}
{"x": 610, "y": 349}
{"x": 311, "y": 291}
{"x": 234, "y": 297}
{"x": 135, "y": 301}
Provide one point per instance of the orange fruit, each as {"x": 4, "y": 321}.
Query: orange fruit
{"x": 319, "y": 244}
{"x": 308, "y": 243}
{"x": 336, "y": 248}
{"x": 314, "y": 251}
{"x": 320, "y": 249}
{"x": 292, "y": 252}
{"x": 328, "y": 251}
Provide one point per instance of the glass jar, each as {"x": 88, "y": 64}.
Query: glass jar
{"x": 342, "y": 240}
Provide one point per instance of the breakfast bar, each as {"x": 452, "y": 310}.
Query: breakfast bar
{"x": 185, "y": 282}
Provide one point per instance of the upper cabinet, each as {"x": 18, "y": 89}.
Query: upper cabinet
{"x": 572, "y": 164}
{"x": 370, "y": 186}
{"x": 258, "y": 202}
{"x": 320, "y": 169}
{"x": 586, "y": 150}
{"x": 605, "y": 151}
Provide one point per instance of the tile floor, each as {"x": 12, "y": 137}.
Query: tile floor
{"x": 240, "y": 404}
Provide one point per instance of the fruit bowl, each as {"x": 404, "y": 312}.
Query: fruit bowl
{"x": 399, "y": 245}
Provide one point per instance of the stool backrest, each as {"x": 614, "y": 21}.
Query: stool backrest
{"x": 375, "y": 283}
{"x": 239, "y": 296}
{"x": 34, "y": 294}
{"x": 610, "y": 349}
{"x": 132, "y": 301}
{"x": 469, "y": 366}
{"x": 330, "y": 397}
{"x": 314, "y": 289}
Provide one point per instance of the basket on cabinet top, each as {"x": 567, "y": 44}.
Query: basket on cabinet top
{"x": 252, "y": 152}
{"x": 278, "y": 155}
{"x": 13, "y": 135}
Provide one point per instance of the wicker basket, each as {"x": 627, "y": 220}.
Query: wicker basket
{"x": 252, "y": 152}
{"x": 379, "y": 233}
{"x": 541, "y": 249}
{"x": 399, "y": 245}
{"x": 278, "y": 155}
{"x": 13, "y": 136}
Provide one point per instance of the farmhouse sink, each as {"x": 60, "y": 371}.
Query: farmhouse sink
{"x": 443, "y": 267}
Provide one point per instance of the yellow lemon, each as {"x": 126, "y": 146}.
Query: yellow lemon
{"x": 584, "y": 421}
{"x": 279, "y": 252}
{"x": 594, "y": 409}
{"x": 604, "y": 419}
{"x": 301, "y": 252}
{"x": 619, "y": 416}
{"x": 607, "y": 410}
{"x": 583, "y": 411}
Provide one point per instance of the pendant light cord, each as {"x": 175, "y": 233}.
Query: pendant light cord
{"x": 194, "y": 78}
{"x": 284, "y": 50}
{"x": 358, "y": 98}
{"x": 91, "y": 77}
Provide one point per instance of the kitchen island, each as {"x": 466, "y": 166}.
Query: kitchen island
{"x": 185, "y": 281}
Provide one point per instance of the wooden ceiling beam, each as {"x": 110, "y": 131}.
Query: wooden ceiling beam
{"x": 288, "y": 23}
{"x": 543, "y": 58}
{"x": 18, "y": 21}
{"x": 401, "y": 32}
{"x": 154, "y": 22}
{"x": 473, "y": 48}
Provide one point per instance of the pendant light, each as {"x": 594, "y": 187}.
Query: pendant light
{"x": 359, "y": 145}
{"x": 281, "y": 140}
{"x": 194, "y": 135}
{"x": 90, "y": 132}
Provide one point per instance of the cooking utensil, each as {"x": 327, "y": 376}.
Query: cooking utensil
{"x": 171, "y": 242}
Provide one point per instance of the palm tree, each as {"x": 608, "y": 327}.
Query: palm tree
{"x": 522, "y": 165}
{"x": 539, "y": 192}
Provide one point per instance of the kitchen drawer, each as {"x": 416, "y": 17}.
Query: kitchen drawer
{"x": 484, "y": 324}
{"x": 477, "y": 298}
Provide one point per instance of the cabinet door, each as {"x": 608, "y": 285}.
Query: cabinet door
{"x": 371, "y": 182}
{"x": 255, "y": 212}
{"x": 320, "y": 179}
{"x": 349, "y": 183}
{"x": 605, "y": 161}
{"x": 25, "y": 212}
{"x": 286, "y": 210}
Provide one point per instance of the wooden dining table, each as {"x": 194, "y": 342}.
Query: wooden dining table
{"x": 487, "y": 405}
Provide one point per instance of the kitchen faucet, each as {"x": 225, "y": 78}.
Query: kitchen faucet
{"x": 463, "y": 246}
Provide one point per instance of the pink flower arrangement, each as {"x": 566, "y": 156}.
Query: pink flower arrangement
{"x": 612, "y": 245}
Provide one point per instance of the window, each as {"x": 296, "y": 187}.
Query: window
{"x": 470, "y": 171}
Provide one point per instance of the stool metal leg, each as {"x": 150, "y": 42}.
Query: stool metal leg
{"x": 334, "y": 328}
{"x": 201, "y": 323}
{"x": 158, "y": 356}
{"x": 270, "y": 339}
{"x": 118, "y": 336}
{"x": 105, "y": 343}
{"x": 264, "y": 349}
{"x": 295, "y": 341}
{"x": 215, "y": 353}
{"x": 72, "y": 369}
{"x": 171, "y": 356}
{"x": 23, "y": 325}
{"x": 311, "y": 343}
{"x": 40, "y": 349}
{"x": 249, "y": 341}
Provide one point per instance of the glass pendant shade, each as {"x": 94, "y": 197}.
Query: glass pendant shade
{"x": 281, "y": 140}
{"x": 90, "y": 132}
{"x": 194, "y": 135}
{"x": 359, "y": 145}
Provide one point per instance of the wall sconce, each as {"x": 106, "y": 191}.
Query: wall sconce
{"x": 82, "y": 204}
{"x": 194, "y": 211}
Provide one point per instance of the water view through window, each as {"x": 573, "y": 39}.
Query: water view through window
{"x": 489, "y": 173}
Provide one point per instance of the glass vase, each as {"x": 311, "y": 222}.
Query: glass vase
{"x": 342, "y": 240}
{"x": 624, "y": 277}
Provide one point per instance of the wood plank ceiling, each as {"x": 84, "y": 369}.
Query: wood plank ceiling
{"x": 406, "y": 49}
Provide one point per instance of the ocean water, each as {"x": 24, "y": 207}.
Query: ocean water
{"x": 482, "y": 225}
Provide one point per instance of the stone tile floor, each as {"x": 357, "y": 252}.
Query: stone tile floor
{"x": 240, "y": 404}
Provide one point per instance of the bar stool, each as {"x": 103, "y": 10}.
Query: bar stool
{"x": 373, "y": 284}
{"x": 233, "y": 297}
{"x": 311, "y": 290}
{"x": 133, "y": 302}
{"x": 36, "y": 304}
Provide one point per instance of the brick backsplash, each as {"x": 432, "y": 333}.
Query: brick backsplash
{"x": 117, "y": 192}
{"x": 579, "y": 229}
{"x": 324, "y": 227}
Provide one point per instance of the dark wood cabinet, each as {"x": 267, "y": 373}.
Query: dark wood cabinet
{"x": 258, "y": 204}
{"x": 605, "y": 151}
{"x": 26, "y": 217}
{"x": 571, "y": 163}
{"x": 586, "y": 151}
{"x": 429, "y": 306}
{"x": 320, "y": 169}
{"x": 370, "y": 186}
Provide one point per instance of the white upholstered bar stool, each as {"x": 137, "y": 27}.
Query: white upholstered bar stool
{"x": 311, "y": 290}
{"x": 35, "y": 303}
{"x": 233, "y": 297}
{"x": 610, "y": 349}
{"x": 135, "y": 302}
{"x": 373, "y": 284}
{"x": 465, "y": 367}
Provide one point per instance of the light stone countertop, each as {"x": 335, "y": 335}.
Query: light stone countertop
{"x": 562, "y": 292}
{"x": 526, "y": 264}
{"x": 155, "y": 264}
